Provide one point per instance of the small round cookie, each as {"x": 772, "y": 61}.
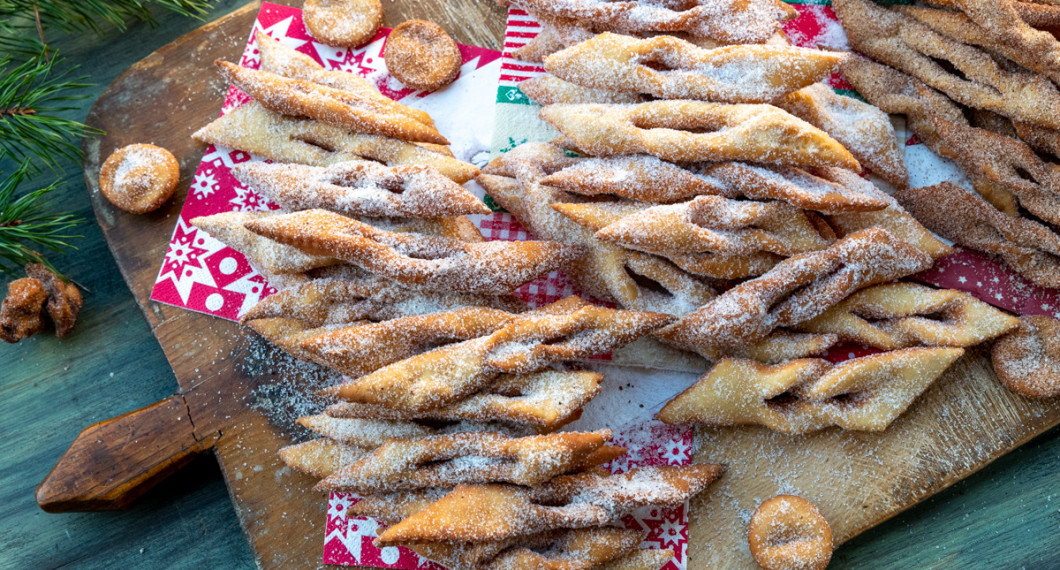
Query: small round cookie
{"x": 139, "y": 178}
{"x": 343, "y": 23}
{"x": 1027, "y": 360}
{"x": 788, "y": 533}
{"x": 421, "y": 55}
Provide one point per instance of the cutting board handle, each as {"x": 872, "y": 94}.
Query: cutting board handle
{"x": 114, "y": 462}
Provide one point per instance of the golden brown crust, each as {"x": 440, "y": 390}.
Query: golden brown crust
{"x": 431, "y": 263}
{"x": 354, "y": 111}
{"x": 901, "y": 315}
{"x": 633, "y": 279}
{"x": 673, "y": 130}
{"x": 1027, "y": 361}
{"x": 496, "y": 512}
{"x": 1030, "y": 248}
{"x": 282, "y": 60}
{"x": 259, "y": 131}
{"x": 543, "y": 400}
{"x": 803, "y": 396}
{"x": 789, "y": 532}
{"x": 551, "y": 90}
{"x": 666, "y": 67}
{"x": 139, "y": 178}
{"x": 527, "y": 343}
{"x": 319, "y": 457}
{"x": 343, "y": 23}
{"x": 862, "y": 128}
{"x": 421, "y": 55}
{"x": 796, "y": 290}
{"x": 361, "y": 188}
{"x": 464, "y": 458}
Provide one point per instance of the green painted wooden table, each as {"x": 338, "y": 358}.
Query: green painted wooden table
{"x": 1006, "y": 516}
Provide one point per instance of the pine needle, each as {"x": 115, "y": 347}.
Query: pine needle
{"x": 95, "y": 15}
{"x": 27, "y": 225}
{"x": 32, "y": 93}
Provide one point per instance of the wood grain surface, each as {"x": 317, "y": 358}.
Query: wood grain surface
{"x": 1014, "y": 523}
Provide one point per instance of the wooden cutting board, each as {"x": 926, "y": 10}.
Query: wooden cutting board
{"x": 962, "y": 423}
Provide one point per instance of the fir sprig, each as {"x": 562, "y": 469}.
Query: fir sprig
{"x": 27, "y": 225}
{"x": 95, "y": 15}
{"x": 32, "y": 93}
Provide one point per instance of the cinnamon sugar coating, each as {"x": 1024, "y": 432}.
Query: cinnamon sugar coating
{"x": 422, "y": 55}
{"x": 1029, "y": 247}
{"x": 901, "y": 41}
{"x": 788, "y": 532}
{"x": 550, "y": 90}
{"x": 1027, "y": 361}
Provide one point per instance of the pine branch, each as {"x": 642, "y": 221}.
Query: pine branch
{"x": 31, "y": 95}
{"x": 26, "y": 225}
{"x": 93, "y": 15}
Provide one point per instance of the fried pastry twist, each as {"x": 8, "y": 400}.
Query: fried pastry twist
{"x": 287, "y": 62}
{"x": 321, "y": 457}
{"x": 901, "y": 315}
{"x": 666, "y": 67}
{"x": 550, "y": 90}
{"x": 569, "y": 549}
{"x": 342, "y": 301}
{"x": 729, "y": 21}
{"x": 715, "y": 224}
{"x": 417, "y": 260}
{"x": 496, "y": 512}
{"x": 354, "y": 111}
{"x": 543, "y": 400}
{"x": 633, "y": 279}
{"x": 796, "y": 290}
{"x": 903, "y": 42}
{"x": 531, "y": 342}
{"x": 692, "y": 131}
{"x": 860, "y": 127}
{"x": 647, "y": 179}
{"x": 463, "y": 458}
{"x": 261, "y": 132}
{"x": 361, "y": 188}
{"x": 1030, "y": 248}
{"x": 280, "y": 264}
{"x": 893, "y": 218}
{"x": 995, "y": 26}
{"x": 1008, "y": 162}
{"x": 1027, "y": 361}
{"x": 362, "y": 347}
{"x": 802, "y": 396}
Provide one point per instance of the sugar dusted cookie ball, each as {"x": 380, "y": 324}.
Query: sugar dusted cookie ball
{"x": 139, "y": 178}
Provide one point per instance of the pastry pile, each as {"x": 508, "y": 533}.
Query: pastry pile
{"x": 977, "y": 81}
{"x": 445, "y": 417}
{"x": 720, "y": 181}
